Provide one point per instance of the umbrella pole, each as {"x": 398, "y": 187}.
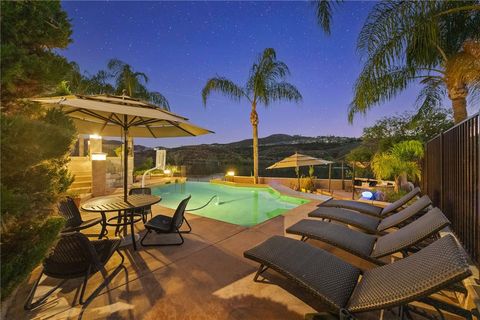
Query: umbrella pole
{"x": 330, "y": 177}
{"x": 125, "y": 158}
{"x": 298, "y": 178}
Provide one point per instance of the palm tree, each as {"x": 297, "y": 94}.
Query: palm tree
{"x": 400, "y": 162}
{"x": 436, "y": 42}
{"x": 265, "y": 85}
{"x": 134, "y": 83}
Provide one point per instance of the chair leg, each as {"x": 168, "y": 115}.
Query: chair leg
{"x": 107, "y": 279}
{"x": 119, "y": 220}
{"x": 161, "y": 244}
{"x": 189, "y": 226}
{"x": 260, "y": 270}
{"x": 29, "y": 305}
{"x": 132, "y": 231}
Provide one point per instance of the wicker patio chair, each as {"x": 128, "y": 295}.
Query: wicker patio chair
{"x": 165, "y": 224}
{"x": 371, "y": 247}
{"x": 338, "y": 285}
{"x": 73, "y": 219}
{"x": 370, "y": 209}
{"x": 75, "y": 256}
{"x": 371, "y": 224}
{"x": 147, "y": 210}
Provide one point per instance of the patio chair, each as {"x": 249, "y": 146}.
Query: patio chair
{"x": 147, "y": 210}
{"x": 75, "y": 256}
{"x": 338, "y": 285}
{"x": 372, "y": 224}
{"x": 73, "y": 219}
{"x": 165, "y": 224}
{"x": 370, "y": 209}
{"x": 371, "y": 247}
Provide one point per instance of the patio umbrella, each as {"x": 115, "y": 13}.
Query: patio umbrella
{"x": 122, "y": 116}
{"x": 300, "y": 160}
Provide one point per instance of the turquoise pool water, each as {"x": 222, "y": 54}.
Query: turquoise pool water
{"x": 238, "y": 205}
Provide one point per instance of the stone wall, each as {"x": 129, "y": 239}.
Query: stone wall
{"x": 319, "y": 183}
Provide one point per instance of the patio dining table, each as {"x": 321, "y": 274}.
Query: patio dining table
{"x": 129, "y": 207}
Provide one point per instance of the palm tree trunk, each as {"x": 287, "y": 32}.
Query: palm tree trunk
{"x": 254, "y": 122}
{"x": 458, "y": 95}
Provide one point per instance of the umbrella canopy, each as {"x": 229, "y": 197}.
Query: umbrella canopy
{"x": 298, "y": 160}
{"x": 109, "y": 115}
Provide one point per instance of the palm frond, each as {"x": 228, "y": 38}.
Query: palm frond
{"x": 323, "y": 11}
{"x": 224, "y": 86}
{"x": 158, "y": 99}
{"x": 372, "y": 89}
{"x": 115, "y": 66}
{"x": 282, "y": 91}
{"x": 409, "y": 150}
{"x": 140, "y": 75}
{"x": 431, "y": 95}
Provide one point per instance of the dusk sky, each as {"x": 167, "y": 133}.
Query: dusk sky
{"x": 180, "y": 45}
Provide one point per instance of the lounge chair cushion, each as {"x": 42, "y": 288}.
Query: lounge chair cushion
{"x": 411, "y": 234}
{"x": 359, "y": 206}
{"x": 328, "y": 277}
{"x": 350, "y": 217}
{"x": 358, "y": 243}
{"x": 440, "y": 264}
{"x": 412, "y": 210}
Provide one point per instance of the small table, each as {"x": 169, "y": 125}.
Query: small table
{"x": 118, "y": 204}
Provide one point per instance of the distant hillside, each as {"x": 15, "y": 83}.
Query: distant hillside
{"x": 214, "y": 158}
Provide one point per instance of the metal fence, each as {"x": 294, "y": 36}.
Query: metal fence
{"x": 451, "y": 178}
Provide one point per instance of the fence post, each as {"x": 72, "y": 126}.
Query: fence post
{"x": 442, "y": 173}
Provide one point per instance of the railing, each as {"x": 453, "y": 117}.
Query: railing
{"x": 451, "y": 178}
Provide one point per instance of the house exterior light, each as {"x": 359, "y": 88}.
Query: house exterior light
{"x": 230, "y": 173}
{"x": 95, "y": 136}
{"x": 99, "y": 156}
{"x": 167, "y": 171}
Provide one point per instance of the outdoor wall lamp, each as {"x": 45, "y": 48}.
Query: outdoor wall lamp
{"x": 95, "y": 136}
{"x": 99, "y": 156}
{"x": 231, "y": 173}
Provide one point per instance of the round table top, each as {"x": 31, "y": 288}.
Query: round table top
{"x": 117, "y": 203}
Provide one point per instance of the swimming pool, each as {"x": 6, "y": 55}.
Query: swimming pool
{"x": 238, "y": 205}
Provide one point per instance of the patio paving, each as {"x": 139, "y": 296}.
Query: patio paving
{"x": 205, "y": 278}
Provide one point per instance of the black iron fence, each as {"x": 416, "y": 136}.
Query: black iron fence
{"x": 451, "y": 178}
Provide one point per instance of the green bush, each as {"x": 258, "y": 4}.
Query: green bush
{"x": 22, "y": 257}
{"x": 35, "y": 146}
{"x": 392, "y": 196}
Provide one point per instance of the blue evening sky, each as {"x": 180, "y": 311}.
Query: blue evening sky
{"x": 179, "y": 45}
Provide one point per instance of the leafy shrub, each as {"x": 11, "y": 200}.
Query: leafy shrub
{"x": 392, "y": 196}
{"x": 35, "y": 146}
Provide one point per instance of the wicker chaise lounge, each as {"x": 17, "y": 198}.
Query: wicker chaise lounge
{"x": 368, "y": 223}
{"x": 370, "y": 209}
{"x": 338, "y": 284}
{"x": 371, "y": 247}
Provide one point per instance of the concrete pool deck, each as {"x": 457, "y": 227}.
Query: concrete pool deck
{"x": 205, "y": 278}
